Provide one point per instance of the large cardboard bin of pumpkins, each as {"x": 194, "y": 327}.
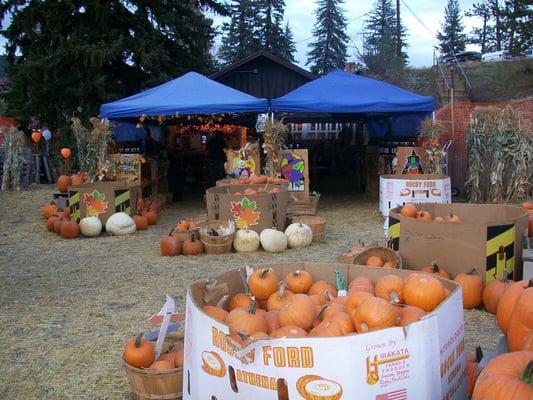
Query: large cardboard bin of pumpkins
{"x": 256, "y": 207}
{"x": 380, "y": 352}
{"x": 461, "y": 236}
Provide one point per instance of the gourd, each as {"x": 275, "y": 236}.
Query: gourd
{"x": 246, "y": 240}
{"x": 120, "y": 224}
{"x": 273, "y": 241}
{"x": 472, "y": 288}
{"x": 139, "y": 353}
{"x": 298, "y": 235}
{"x": 90, "y": 226}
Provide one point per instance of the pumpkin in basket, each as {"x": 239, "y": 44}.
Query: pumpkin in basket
{"x": 390, "y": 288}
{"x": 240, "y": 300}
{"x": 321, "y": 287}
{"x": 246, "y": 321}
{"x": 276, "y": 299}
{"x": 139, "y": 352}
{"x": 299, "y": 310}
{"x": 162, "y": 365}
{"x": 375, "y": 261}
{"x": 409, "y": 210}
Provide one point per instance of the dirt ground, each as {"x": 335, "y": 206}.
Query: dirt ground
{"x": 68, "y": 306}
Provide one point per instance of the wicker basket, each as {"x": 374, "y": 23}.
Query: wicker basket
{"x": 303, "y": 204}
{"x": 216, "y": 244}
{"x": 316, "y": 223}
{"x": 384, "y": 252}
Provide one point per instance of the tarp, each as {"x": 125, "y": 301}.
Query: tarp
{"x": 343, "y": 92}
{"x": 191, "y": 93}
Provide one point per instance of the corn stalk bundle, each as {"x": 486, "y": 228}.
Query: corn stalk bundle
{"x": 13, "y": 158}
{"x": 500, "y": 143}
{"x": 430, "y": 133}
{"x": 274, "y": 141}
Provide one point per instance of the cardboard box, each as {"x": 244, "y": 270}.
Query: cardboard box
{"x": 397, "y": 190}
{"x": 258, "y": 212}
{"x": 489, "y": 237}
{"x": 126, "y": 167}
{"x": 294, "y": 167}
{"x": 99, "y": 199}
{"x": 411, "y": 161}
{"x": 425, "y": 360}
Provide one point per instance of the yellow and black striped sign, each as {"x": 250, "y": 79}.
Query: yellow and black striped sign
{"x": 122, "y": 201}
{"x": 74, "y": 205}
{"x": 394, "y": 233}
{"x": 500, "y": 251}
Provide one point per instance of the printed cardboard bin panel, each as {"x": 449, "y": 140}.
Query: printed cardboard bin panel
{"x": 411, "y": 161}
{"x": 254, "y": 211}
{"x": 126, "y": 167}
{"x": 242, "y": 164}
{"x": 99, "y": 199}
{"x": 395, "y": 190}
{"x": 294, "y": 167}
{"x": 489, "y": 237}
{"x": 426, "y": 360}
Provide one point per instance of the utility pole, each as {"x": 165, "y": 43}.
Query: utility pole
{"x": 398, "y": 33}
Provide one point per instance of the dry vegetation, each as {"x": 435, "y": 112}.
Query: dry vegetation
{"x": 67, "y": 307}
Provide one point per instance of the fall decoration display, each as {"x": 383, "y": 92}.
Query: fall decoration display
{"x": 298, "y": 235}
{"x": 472, "y": 287}
{"x": 246, "y": 321}
{"x": 49, "y": 210}
{"x": 424, "y": 291}
{"x": 373, "y": 314}
{"x": 390, "y": 288}
{"x": 240, "y": 300}
{"x": 70, "y": 230}
{"x": 90, "y": 226}
{"x": 274, "y": 141}
{"x": 192, "y": 246}
{"x": 321, "y": 287}
{"x": 63, "y": 182}
{"x": 120, "y": 224}
{"x": 521, "y": 321}
{"x": 141, "y": 222}
{"x": 436, "y": 269}
{"x": 276, "y": 299}
{"x": 507, "y": 302}
{"x": 262, "y": 283}
{"x": 494, "y": 291}
{"x": 299, "y": 310}
{"x": 246, "y": 240}
{"x": 273, "y": 241}
{"x": 409, "y": 210}
{"x": 508, "y": 376}
{"x": 139, "y": 352}
{"x": 409, "y": 314}
{"x": 299, "y": 281}
{"x": 169, "y": 245}
{"x": 472, "y": 369}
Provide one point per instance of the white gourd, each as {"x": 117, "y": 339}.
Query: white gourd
{"x": 273, "y": 241}
{"x": 246, "y": 240}
{"x": 90, "y": 226}
{"x": 120, "y": 224}
{"x": 299, "y": 235}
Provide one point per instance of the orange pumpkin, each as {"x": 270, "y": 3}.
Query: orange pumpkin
{"x": 409, "y": 210}
{"x": 424, "y": 291}
{"x": 49, "y": 210}
{"x": 375, "y": 261}
{"x": 528, "y": 205}
{"x": 374, "y": 314}
{"x": 50, "y": 223}
{"x": 141, "y": 222}
{"x": 169, "y": 245}
{"x": 151, "y": 216}
{"x": 246, "y": 321}
{"x": 276, "y": 299}
{"x": 409, "y": 314}
{"x": 70, "y": 230}
{"x": 57, "y": 225}
{"x": 494, "y": 291}
{"x": 162, "y": 365}
{"x": 344, "y": 320}
{"x": 472, "y": 288}
{"x": 63, "y": 182}
{"x": 327, "y": 328}
{"x": 355, "y": 298}
{"x": 272, "y": 320}
{"x": 77, "y": 179}
{"x": 299, "y": 310}
{"x": 139, "y": 353}
{"x": 240, "y": 300}
{"x": 424, "y": 216}
{"x": 528, "y": 341}
{"x": 453, "y": 218}
{"x": 361, "y": 283}
{"x": 508, "y": 376}
{"x": 390, "y": 288}
{"x": 321, "y": 287}
{"x": 217, "y": 312}
{"x": 436, "y": 269}
{"x": 521, "y": 321}
{"x": 318, "y": 299}
{"x": 174, "y": 357}
{"x": 289, "y": 331}
{"x": 507, "y": 302}
{"x": 472, "y": 370}
{"x": 330, "y": 309}
{"x": 263, "y": 282}
{"x": 390, "y": 264}
{"x": 299, "y": 281}
{"x": 192, "y": 246}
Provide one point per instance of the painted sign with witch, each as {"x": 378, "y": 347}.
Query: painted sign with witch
{"x": 294, "y": 166}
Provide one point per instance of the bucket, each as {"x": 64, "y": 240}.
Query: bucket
{"x": 216, "y": 244}
{"x": 384, "y": 253}
{"x": 316, "y": 223}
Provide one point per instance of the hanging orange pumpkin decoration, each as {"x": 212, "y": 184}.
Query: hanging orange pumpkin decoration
{"x": 65, "y": 152}
{"x": 36, "y": 136}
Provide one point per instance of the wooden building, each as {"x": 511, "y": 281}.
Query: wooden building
{"x": 262, "y": 74}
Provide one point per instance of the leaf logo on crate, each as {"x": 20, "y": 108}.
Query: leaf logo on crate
{"x": 245, "y": 214}
{"x": 314, "y": 387}
{"x": 500, "y": 251}
{"x": 95, "y": 202}
{"x": 213, "y": 364}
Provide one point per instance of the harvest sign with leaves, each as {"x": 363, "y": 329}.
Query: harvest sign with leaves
{"x": 95, "y": 202}
{"x": 244, "y": 213}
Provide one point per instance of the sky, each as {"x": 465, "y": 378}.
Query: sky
{"x": 421, "y": 35}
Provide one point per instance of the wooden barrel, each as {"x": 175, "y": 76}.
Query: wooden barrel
{"x": 384, "y": 253}
{"x": 316, "y": 223}
{"x": 154, "y": 385}
{"x": 216, "y": 244}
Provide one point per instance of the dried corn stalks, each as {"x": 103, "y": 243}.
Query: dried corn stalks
{"x": 430, "y": 132}
{"x": 274, "y": 141}
{"x": 13, "y": 158}
{"x": 500, "y": 145}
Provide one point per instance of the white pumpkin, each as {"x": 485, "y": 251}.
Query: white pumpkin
{"x": 273, "y": 241}
{"x": 90, "y": 226}
{"x": 246, "y": 240}
{"x": 298, "y": 235}
{"x": 120, "y": 224}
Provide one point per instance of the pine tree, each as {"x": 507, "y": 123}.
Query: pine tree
{"x": 239, "y": 36}
{"x": 484, "y": 35}
{"x": 517, "y": 25}
{"x": 288, "y": 48}
{"x": 328, "y": 51}
{"x": 75, "y": 55}
{"x": 452, "y": 40}
{"x": 381, "y": 43}
{"x": 269, "y": 16}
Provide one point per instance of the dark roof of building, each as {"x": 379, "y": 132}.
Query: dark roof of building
{"x": 266, "y": 54}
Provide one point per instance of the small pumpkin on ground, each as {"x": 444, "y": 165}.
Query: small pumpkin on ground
{"x": 57, "y": 225}
{"x": 49, "y": 210}
{"x": 90, "y": 226}
{"x": 273, "y": 241}
{"x": 472, "y": 288}
{"x": 263, "y": 282}
{"x": 298, "y": 235}
{"x": 192, "y": 246}
{"x": 50, "y": 222}
{"x": 141, "y": 222}
{"x": 246, "y": 240}
{"x": 120, "y": 224}
{"x": 139, "y": 352}
{"x": 151, "y": 216}
{"x": 494, "y": 291}
{"x": 70, "y": 230}
{"x": 169, "y": 245}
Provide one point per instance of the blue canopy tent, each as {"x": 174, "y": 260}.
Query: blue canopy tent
{"x": 387, "y": 107}
{"x": 191, "y": 93}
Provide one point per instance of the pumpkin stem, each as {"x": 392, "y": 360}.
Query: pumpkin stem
{"x": 527, "y": 375}
{"x": 253, "y": 305}
{"x": 171, "y": 232}
{"x": 328, "y": 295}
{"x": 435, "y": 266}
{"x": 479, "y": 354}
{"x": 264, "y": 273}
{"x": 138, "y": 339}
{"x": 297, "y": 272}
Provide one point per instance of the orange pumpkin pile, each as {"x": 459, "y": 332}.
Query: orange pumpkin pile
{"x": 149, "y": 209}
{"x": 377, "y": 261}
{"x": 58, "y": 221}
{"x": 140, "y": 353}
{"x": 298, "y": 306}
{"x": 411, "y": 211}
